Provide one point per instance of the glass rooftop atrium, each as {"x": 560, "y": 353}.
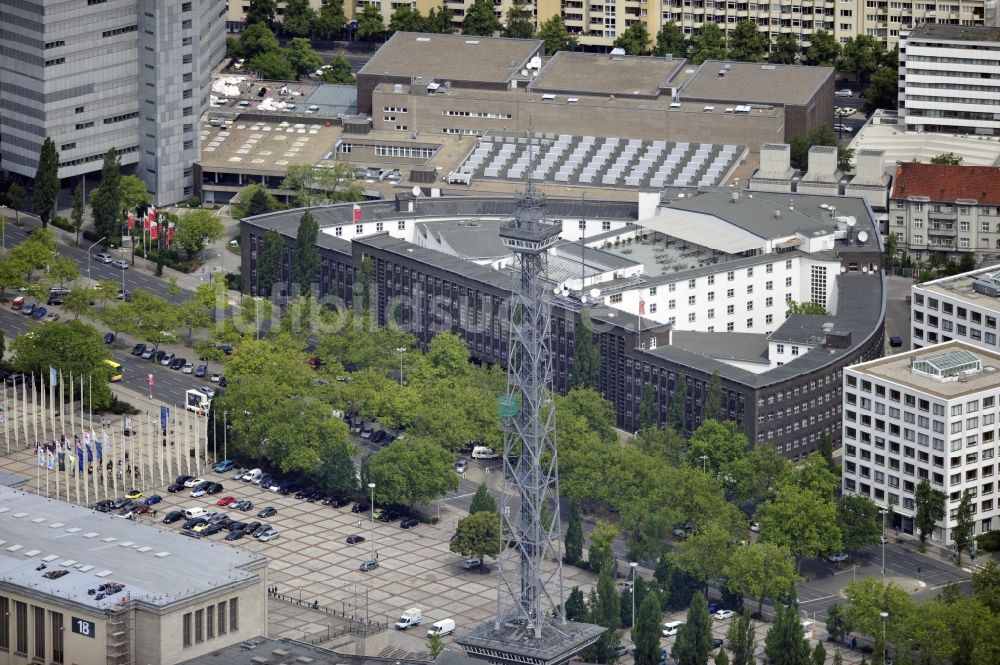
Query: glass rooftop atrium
{"x": 947, "y": 365}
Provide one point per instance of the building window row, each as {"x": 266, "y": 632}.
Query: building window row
{"x": 403, "y": 151}
{"x": 119, "y": 31}
{"x": 209, "y": 622}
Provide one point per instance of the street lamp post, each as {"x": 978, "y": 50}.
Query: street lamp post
{"x": 3, "y": 226}
{"x": 400, "y": 350}
{"x": 121, "y": 255}
{"x": 704, "y": 461}
{"x": 883, "y": 512}
{"x": 884, "y": 615}
{"x": 89, "y": 257}
{"x": 632, "y": 567}
{"x": 371, "y": 530}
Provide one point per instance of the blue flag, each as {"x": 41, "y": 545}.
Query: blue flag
{"x": 79, "y": 459}
{"x": 53, "y": 377}
{"x": 98, "y": 444}
{"x": 90, "y": 454}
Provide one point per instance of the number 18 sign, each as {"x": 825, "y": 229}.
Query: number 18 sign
{"x": 84, "y": 627}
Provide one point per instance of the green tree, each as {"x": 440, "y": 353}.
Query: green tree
{"x": 72, "y": 347}
{"x": 785, "y": 51}
{"x": 670, "y": 40}
{"x": 555, "y": 35}
{"x": 269, "y": 266}
{"x": 196, "y": 228}
{"x": 793, "y": 307}
{"x": 316, "y": 185}
{"x": 962, "y": 532}
{"x": 330, "y": 19}
{"x": 335, "y": 472}
{"x": 801, "y": 520}
{"x": 819, "y": 655}
{"x": 713, "y": 401}
{"x": 338, "y": 70}
{"x": 694, "y": 639}
{"x": 435, "y": 646}
{"x": 949, "y": 158}
{"x": 859, "y": 522}
{"x": 825, "y": 449}
{"x": 601, "y": 554}
{"x": 300, "y": 55}
{"x": 785, "y": 642}
{"x": 760, "y": 570}
{"x": 705, "y": 554}
{"x": 720, "y": 443}
{"x": 305, "y": 255}
{"x": 930, "y": 504}
{"x": 741, "y": 637}
{"x": 520, "y": 21}
{"x": 573, "y": 550}
{"x": 822, "y": 135}
{"x": 634, "y": 39}
{"x": 986, "y": 586}
{"x": 481, "y": 19}
{"x": 273, "y": 65}
{"x": 576, "y": 606}
{"x": 46, "y": 187}
{"x": 406, "y": 19}
{"x": 439, "y": 21}
{"x": 298, "y": 18}
{"x": 677, "y": 409}
{"x": 709, "y": 44}
{"x": 646, "y": 631}
{"x": 824, "y": 50}
{"x": 867, "y": 599}
{"x": 258, "y": 39}
{"x": 15, "y": 199}
{"x": 747, "y": 43}
{"x": 412, "y": 471}
{"x": 604, "y": 604}
{"x": 105, "y": 200}
{"x": 756, "y": 476}
{"x": 478, "y": 535}
{"x": 76, "y": 214}
{"x": 252, "y": 200}
{"x": 861, "y": 55}
{"x": 835, "y": 623}
{"x": 883, "y": 90}
{"x": 371, "y": 24}
{"x": 648, "y": 409}
{"x": 482, "y": 501}
{"x": 260, "y": 11}
{"x": 586, "y": 356}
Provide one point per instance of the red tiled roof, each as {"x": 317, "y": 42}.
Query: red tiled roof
{"x": 946, "y": 182}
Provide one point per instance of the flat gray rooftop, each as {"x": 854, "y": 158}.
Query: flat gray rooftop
{"x": 287, "y": 651}
{"x": 897, "y": 369}
{"x": 157, "y": 567}
{"x": 745, "y": 347}
{"x": 959, "y": 287}
{"x": 751, "y": 82}
{"x": 603, "y": 74}
{"x": 451, "y": 57}
{"x": 963, "y": 33}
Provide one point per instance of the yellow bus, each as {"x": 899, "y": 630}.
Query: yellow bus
{"x": 116, "y": 370}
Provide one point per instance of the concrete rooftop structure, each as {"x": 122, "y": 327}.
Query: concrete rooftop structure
{"x": 755, "y": 83}
{"x": 898, "y": 369}
{"x": 260, "y": 146}
{"x": 957, "y": 33}
{"x": 156, "y": 567}
{"x": 603, "y": 74}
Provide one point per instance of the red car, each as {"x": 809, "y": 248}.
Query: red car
{"x": 225, "y": 501}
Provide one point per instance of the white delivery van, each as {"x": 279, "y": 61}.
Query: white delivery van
{"x": 482, "y": 452}
{"x": 671, "y": 628}
{"x": 410, "y": 617}
{"x": 253, "y": 476}
{"x": 197, "y": 511}
{"x": 442, "y": 628}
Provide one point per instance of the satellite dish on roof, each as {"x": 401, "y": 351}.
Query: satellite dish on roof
{"x": 416, "y": 190}
{"x": 851, "y": 221}
{"x": 595, "y": 293}
{"x": 863, "y": 237}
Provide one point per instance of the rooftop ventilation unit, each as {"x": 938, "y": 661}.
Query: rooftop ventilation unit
{"x": 987, "y": 287}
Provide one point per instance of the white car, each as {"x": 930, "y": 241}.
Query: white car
{"x": 470, "y": 564}
{"x": 215, "y": 377}
{"x": 722, "y": 615}
{"x": 837, "y": 558}
{"x": 103, "y": 258}
{"x": 193, "y": 482}
{"x": 842, "y": 128}
{"x": 208, "y": 390}
{"x": 268, "y": 535}
{"x": 121, "y": 264}
{"x": 201, "y": 491}
{"x": 187, "y": 369}
{"x": 755, "y": 526}
{"x": 844, "y": 92}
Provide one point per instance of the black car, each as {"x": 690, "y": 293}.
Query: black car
{"x": 250, "y": 528}
{"x": 360, "y": 507}
{"x": 235, "y": 535}
{"x": 716, "y": 643}
{"x": 173, "y": 516}
{"x": 389, "y": 438}
{"x": 315, "y": 495}
{"x": 212, "y": 529}
{"x": 222, "y": 382}
{"x": 237, "y": 526}
{"x": 225, "y": 348}
{"x": 259, "y": 530}
{"x": 265, "y": 480}
{"x": 158, "y": 356}
{"x": 339, "y": 501}
{"x": 303, "y": 493}
{"x": 355, "y": 539}
{"x": 200, "y": 371}
{"x": 388, "y": 516}
{"x": 289, "y": 488}
{"x": 270, "y": 511}
{"x": 175, "y": 488}
{"x": 214, "y": 488}
{"x": 409, "y": 523}
{"x": 138, "y": 349}
{"x": 379, "y": 436}
{"x": 54, "y": 300}
{"x": 109, "y": 338}
{"x": 193, "y": 522}
{"x": 180, "y": 480}
{"x": 104, "y": 506}
{"x": 120, "y": 503}
{"x": 177, "y": 363}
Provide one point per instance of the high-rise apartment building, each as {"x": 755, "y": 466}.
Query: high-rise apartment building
{"x": 924, "y": 415}
{"x": 133, "y": 75}
{"x": 949, "y": 79}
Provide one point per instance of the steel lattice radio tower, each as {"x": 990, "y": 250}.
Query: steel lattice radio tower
{"x": 530, "y": 621}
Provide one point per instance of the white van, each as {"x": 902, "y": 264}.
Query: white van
{"x": 482, "y": 452}
{"x": 442, "y": 628}
{"x": 671, "y": 628}
{"x": 253, "y": 476}
{"x": 197, "y": 511}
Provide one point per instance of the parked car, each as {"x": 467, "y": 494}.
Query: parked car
{"x": 243, "y": 504}
{"x": 177, "y": 363}
{"x": 138, "y": 349}
{"x": 121, "y": 264}
{"x": 360, "y": 507}
{"x": 214, "y": 378}
{"x": 212, "y": 529}
{"x": 104, "y": 506}
{"x": 844, "y": 92}
{"x": 173, "y": 516}
{"x": 840, "y": 127}
{"x": 224, "y": 466}
{"x": 52, "y": 316}
{"x": 214, "y": 488}
{"x": 109, "y": 338}
{"x": 54, "y": 300}
{"x": 355, "y": 539}
{"x": 409, "y": 523}
{"x": 148, "y": 353}
{"x": 103, "y": 257}
{"x": 153, "y": 500}
{"x": 722, "y": 615}
{"x": 188, "y": 368}
{"x": 366, "y": 432}
{"x": 40, "y": 313}
{"x": 339, "y": 501}
{"x": 133, "y": 494}
{"x": 175, "y": 487}
{"x": 461, "y": 466}
{"x": 235, "y": 535}
{"x": 837, "y": 557}
{"x": 192, "y": 482}
{"x": 379, "y": 436}
{"x": 222, "y": 382}
{"x": 193, "y": 522}
{"x": 470, "y": 564}
{"x": 237, "y": 526}
{"x": 166, "y": 358}
{"x": 369, "y": 564}
{"x": 269, "y": 511}
{"x": 17, "y": 303}
{"x": 200, "y": 371}
{"x": 289, "y": 488}
{"x": 207, "y": 390}
{"x": 199, "y": 492}
{"x": 225, "y": 501}
{"x": 28, "y": 309}
{"x": 268, "y": 535}
{"x": 388, "y": 516}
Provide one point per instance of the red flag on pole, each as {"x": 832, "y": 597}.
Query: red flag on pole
{"x": 131, "y": 221}
{"x": 170, "y": 234}
{"x": 152, "y": 213}
{"x": 145, "y": 223}
{"x": 642, "y": 307}
{"x": 154, "y": 231}
{"x": 357, "y": 213}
